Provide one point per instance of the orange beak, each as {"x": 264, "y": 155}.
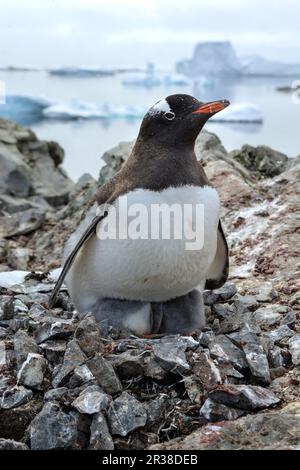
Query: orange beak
{"x": 212, "y": 108}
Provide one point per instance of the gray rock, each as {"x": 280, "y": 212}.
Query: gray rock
{"x": 54, "y": 330}
{"x": 213, "y": 411}
{"x": 128, "y": 364}
{"x": 244, "y": 303}
{"x": 100, "y": 436}
{"x": 81, "y": 375}
{"x": 267, "y": 316}
{"x": 54, "y": 350}
{"x": 294, "y": 347}
{"x": 289, "y": 319}
{"x": 19, "y": 257}
{"x": 224, "y": 311}
{"x": 153, "y": 369}
{"x": 205, "y": 338}
{"x": 91, "y": 401}
{"x": 105, "y": 375}
{"x": 275, "y": 357}
{"x": 73, "y": 358}
{"x": 126, "y": 414}
{"x": 262, "y": 159}
{"x": 206, "y": 370}
{"x": 223, "y": 349}
{"x": 16, "y": 396}
{"x": 225, "y": 292}
{"x": 170, "y": 353}
{"x": 256, "y": 358}
{"x": 6, "y": 308}
{"x": 280, "y": 334}
{"x": 88, "y": 335}
{"x": 156, "y": 410}
{"x": 10, "y": 444}
{"x": 194, "y": 389}
{"x": 245, "y": 397}
{"x": 23, "y": 345}
{"x": 266, "y": 292}
{"x": 53, "y": 429}
{"x": 31, "y": 373}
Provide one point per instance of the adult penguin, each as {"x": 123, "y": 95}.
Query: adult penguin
{"x": 151, "y": 284}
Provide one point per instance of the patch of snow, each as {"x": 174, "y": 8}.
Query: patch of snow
{"x": 11, "y": 278}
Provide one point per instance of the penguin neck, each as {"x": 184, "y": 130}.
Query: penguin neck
{"x": 150, "y": 150}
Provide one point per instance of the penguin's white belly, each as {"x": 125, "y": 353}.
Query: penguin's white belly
{"x": 146, "y": 269}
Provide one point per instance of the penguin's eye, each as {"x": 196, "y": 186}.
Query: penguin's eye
{"x": 169, "y": 115}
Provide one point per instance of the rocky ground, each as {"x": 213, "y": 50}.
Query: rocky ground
{"x": 66, "y": 383}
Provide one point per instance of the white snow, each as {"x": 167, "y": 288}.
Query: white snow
{"x": 11, "y": 278}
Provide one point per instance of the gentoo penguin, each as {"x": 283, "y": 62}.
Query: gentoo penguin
{"x": 151, "y": 284}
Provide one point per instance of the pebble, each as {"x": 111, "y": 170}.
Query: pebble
{"x": 105, "y": 375}
{"x": 91, "y": 401}
{"x": 100, "y": 436}
{"x": 31, "y": 373}
{"x": 126, "y": 414}
{"x": 213, "y": 411}
{"x": 245, "y": 397}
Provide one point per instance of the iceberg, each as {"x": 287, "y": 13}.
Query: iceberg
{"x": 259, "y": 66}
{"x": 80, "y": 72}
{"x": 25, "y": 109}
{"x": 210, "y": 59}
{"x": 239, "y": 113}
{"x": 76, "y": 110}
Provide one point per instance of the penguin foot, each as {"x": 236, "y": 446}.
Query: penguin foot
{"x": 182, "y": 315}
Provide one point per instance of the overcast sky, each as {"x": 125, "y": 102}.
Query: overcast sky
{"x": 130, "y": 32}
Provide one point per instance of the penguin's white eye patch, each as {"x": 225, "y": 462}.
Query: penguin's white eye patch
{"x": 169, "y": 115}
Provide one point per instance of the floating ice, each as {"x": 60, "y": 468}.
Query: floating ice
{"x": 242, "y": 112}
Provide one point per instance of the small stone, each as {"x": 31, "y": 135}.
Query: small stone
{"x": 128, "y": 364}
{"x": 205, "y": 338}
{"x": 245, "y": 397}
{"x": 31, "y": 373}
{"x": 209, "y": 297}
{"x": 266, "y": 293}
{"x": 126, "y": 414}
{"x": 18, "y": 258}
{"x": 170, "y": 354}
{"x": 224, "y": 311}
{"x": 221, "y": 348}
{"x": 194, "y": 389}
{"x": 225, "y": 292}
{"x": 88, "y": 336}
{"x": 294, "y": 347}
{"x": 256, "y": 358}
{"x": 289, "y": 319}
{"x": 245, "y": 303}
{"x": 6, "y": 308}
{"x": 56, "y": 330}
{"x": 54, "y": 350}
{"x": 23, "y": 345}
{"x": 267, "y": 316}
{"x": 156, "y": 410}
{"x": 73, "y": 358}
{"x": 10, "y": 444}
{"x": 280, "y": 334}
{"x": 206, "y": 370}
{"x": 105, "y": 375}
{"x": 153, "y": 369}
{"x": 213, "y": 411}
{"x": 100, "y": 436}
{"x": 14, "y": 397}
{"x": 53, "y": 429}
{"x": 91, "y": 401}
{"x": 275, "y": 357}
{"x": 81, "y": 376}
{"x": 20, "y": 307}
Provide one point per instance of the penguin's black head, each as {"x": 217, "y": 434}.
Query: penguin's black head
{"x": 178, "y": 119}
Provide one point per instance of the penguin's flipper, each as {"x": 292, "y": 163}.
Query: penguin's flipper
{"x": 69, "y": 261}
{"x": 218, "y": 271}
